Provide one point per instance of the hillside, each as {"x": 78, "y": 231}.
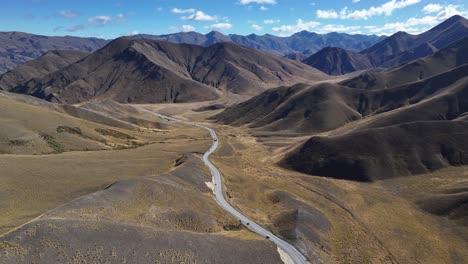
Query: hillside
{"x": 336, "y": 61}
{"x": 48, "y": 63}
{"x": 445, "y": 59}
{"x": 382, "y": 153}
{"x": 18, "y": 47}
{"x": 299, "y": 109}
{"x": 394, "y": 49}
{"x": 148, "y": 71}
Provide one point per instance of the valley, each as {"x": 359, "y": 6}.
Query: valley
{"x": 213, "y": 148}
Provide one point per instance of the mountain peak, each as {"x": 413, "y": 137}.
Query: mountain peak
{"x": 215, "y": 33}
{"x": 453, "y": 20}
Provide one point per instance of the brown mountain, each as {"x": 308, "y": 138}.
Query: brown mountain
{"x": 411, "y": 129}
{"x": 392, "y": 51}
{"x": 337, "y": 61}
{"x": 306, "y": 109}
{"x": 129, "y": 70}
{"x": 443, "y": 60}
{"x": 395, "y": 47}
{"x": 301, "y": 42}
{"x": 302, "y": 109}
{"x": 380, "y": 153}
{"x": 18, "y": 47}
{"x": 48, "y": 63}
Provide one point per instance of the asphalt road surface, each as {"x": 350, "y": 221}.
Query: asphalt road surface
{"x": 293, "y": 253}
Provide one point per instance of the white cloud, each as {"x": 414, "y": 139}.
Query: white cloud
{"x": 356, "y": 1}
{"x": 299, "y": 26}
{"x": 417, "y": 25}
{"x": 337, "y": 28}
{"x": 246, "y": 2}
{"x": 133, "y": 33}
{"x": 257, "y": 27}
{"x": 68, "y": 14}
{"x": 263, "y": 8}
{"x": 187, "y": 28}
{"x": 384, "y": 9}
{"x": 100, "y": 20}
{"x": 271, "y": 21}
{"x": 105, "y": 20}
{"x": 199, "y": 16}
{"x": 326, "y": 14}
{"x": 221, "y": 26}
{"x": 432, "y": 8}
{"x": 182, "y": 11}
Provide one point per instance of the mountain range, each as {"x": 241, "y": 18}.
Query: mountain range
{"x": 333, "y": 53}
{"x": 399, "y": 48}
{"x": 416, "y": 101}
{"x": 17, "y": 47}
{"x": 151, "y": 71}
{"x": 344, "y": 168}
{"x": 301, "y": 42}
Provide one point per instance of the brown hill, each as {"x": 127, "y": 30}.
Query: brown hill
{"x": 305, "y": 109}
{"x": 301, "y": 109}
{"x": 392, "y": 51}
{"x": 48, "y": 63}
{"x": 411, "y": 129}
{"x": 337, "y": 61}
{"x": 380, "y": 153}
{"x": 149, "y": 71}
{"x": 18, "y": 47}
{"x": 440, "y": 36}
{"x": 443, "y": 60}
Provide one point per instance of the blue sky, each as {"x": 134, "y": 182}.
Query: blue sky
{"x": 114, "y": 18}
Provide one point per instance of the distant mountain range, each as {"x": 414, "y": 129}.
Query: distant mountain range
{"x": 399, "y": 48}
{"x": 301, "y": 42}
{"x": 333, "y": 53}
{"x": 152, "y": 71}
{"x": 17, "y": 47}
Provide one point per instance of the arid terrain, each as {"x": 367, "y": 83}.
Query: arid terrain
{"x": 357, "y": 154}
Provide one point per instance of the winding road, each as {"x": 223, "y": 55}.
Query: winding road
{"x": 293, "y": 253}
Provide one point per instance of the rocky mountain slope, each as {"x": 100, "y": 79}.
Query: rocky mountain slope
{"x": 18, "y": 47}
{"x": 150, "y": 71}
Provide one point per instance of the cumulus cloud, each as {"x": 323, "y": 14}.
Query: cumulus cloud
{"x": 182, "y": 11}
{"x": 432, "y": 8}
{"x": 327, "y": 14}
{"x": 256, "y": 27}
{"x": 263, "y": 8}
{"x": 417, "y": 25}
{"x": 384, "y": 9}
{"x": 187, "y": 28}
{"x": 247, "y": 2}
{"x": 199, "y": 16}
{"x": 337, "y": 28}
{"x": 356, "y": 1}
{"x": 221, "y": 26}
{"x": 299, "y": 26}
